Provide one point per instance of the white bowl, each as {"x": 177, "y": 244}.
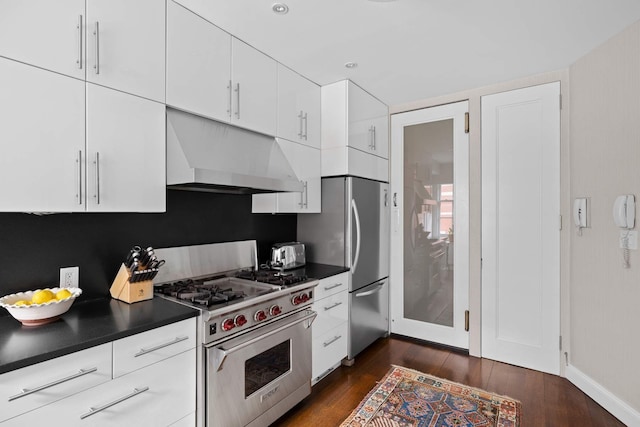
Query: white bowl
{"x": 38, "y": 314}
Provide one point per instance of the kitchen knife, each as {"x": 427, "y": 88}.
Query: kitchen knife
{"x": 146, "y": 255}
{"x": 133, "y": 253}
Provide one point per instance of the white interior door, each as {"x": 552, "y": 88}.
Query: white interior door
{"x": 520, "y": 227}
{"x": 429, "y": 275}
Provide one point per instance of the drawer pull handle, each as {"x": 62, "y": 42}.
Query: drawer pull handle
{"x": 93, "y": 411}
{"x": 328, "y": 288}
{"x": 332, "y": 306}
{"x": 28, "y": 391}
{"x": 144, "y": 351}
{"x": 332, "y": 340}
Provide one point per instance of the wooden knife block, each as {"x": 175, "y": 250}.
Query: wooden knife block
{"x": 123, "y": 290}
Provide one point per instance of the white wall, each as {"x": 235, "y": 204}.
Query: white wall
{"x": 605, "y": 162}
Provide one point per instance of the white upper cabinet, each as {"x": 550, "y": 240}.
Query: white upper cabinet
{"x": 64, "y": 156}
{"x": 368, "y": 122}
{"x": 126, "y": 46}
{"x": 43, "y": 141}
{"x": 298, "y": 108}
{"x": 44, "y": 33}
{"x": 212, "y": 74}
{"x": 305, "y": 162}
{"x": 254, "y": 88}
{"x": 114, "y": 43}
{"x": 198, "y": 64}
{"x": 355, "y": 132}
{"x": 125, "y": 152}
{"x": 354, "y": 118}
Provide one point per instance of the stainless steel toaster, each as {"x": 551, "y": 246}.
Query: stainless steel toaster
{"x": 286, "y": 256}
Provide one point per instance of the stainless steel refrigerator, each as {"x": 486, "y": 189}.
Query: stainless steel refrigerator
{"x": 353, "y": 231}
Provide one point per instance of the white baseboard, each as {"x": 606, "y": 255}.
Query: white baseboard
{"x": 604, "y": 397}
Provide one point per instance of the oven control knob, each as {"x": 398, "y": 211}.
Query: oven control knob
{"x": 275, "y": 310}
{"x": 304, "y": 297}
{"x": 240, "y": 320}
{"x": 227, "y": 324}
{"x": 296, "y": 300}
{"x": 260, "y": 316}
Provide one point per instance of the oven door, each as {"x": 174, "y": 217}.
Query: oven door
{"x": 258, "y": 376}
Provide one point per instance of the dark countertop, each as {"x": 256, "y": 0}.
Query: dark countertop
{"x": 86, "y": 324}
{"x": 320, "y": 271}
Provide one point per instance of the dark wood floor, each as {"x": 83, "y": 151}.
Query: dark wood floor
{"x": 547, "y": 400}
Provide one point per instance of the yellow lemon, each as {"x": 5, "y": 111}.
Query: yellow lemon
{"x": 22, "y": 302}
{"x": 40, "y": 297}
{"x": 63, "y": 294}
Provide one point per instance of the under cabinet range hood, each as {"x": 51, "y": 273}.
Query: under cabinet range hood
{"x": 206, "y": 155}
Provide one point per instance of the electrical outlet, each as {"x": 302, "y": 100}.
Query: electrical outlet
{"x": 69, "y": 277}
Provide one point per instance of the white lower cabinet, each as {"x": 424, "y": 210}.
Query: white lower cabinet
{"x": 35, "y": 386}
{"x": 148, "y": 379}
{"x": 330, "y": 328}
{"x": 156, "y": 395}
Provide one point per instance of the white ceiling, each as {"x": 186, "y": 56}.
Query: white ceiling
{"x": 409, "y": 50}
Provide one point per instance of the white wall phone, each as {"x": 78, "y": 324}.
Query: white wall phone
{"x": 624, "y": 216}
{"x": 580, "y": 213}
{"x": 624, "y": 211}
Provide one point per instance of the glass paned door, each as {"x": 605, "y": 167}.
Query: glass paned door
{"x": 429, "y": 268}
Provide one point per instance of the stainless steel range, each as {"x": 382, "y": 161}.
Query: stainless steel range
{"x": 255, "y": 331}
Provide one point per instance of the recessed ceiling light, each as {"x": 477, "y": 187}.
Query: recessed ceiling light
{"x": 280, "y": 8}
{"x": 351, "y": 64}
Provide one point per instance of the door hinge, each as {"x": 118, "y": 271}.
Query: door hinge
{"x": 559, "y": 222}
{"x": 466, "y": 320}
{"x": 566, "y": 358}
{"x": 560, "y": 96}
{"x": 560, "y": 343}
{"x": 466, "y": 122}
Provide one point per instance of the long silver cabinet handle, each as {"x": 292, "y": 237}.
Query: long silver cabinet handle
{"x": 301, "y": 202}
{"x": 371, "y": 138}
{"x": 328, "y": 288}
{"x": 93, "y": 411}
{"x": 306, "y": 126}
{"x": 300, "y": 118}
{"x": 237, "y": 90}
{"x": 97, "y": 163}
{"x": 332, "y": 306}
{"x": 96, "y": 33}
{"x": 79, "y": 61}
{"x": 28, "y": 391}
{"x": 229, "y": 88}
{"x": 374, "y": 138}
{"x": 306, "y": 195}
{"x": 331, "y": 341}
{"x": 79, "y": 162}
{"x": 176, "y": 340}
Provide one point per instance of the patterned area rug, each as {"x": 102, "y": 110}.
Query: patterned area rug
{"x": 405, "y": 397}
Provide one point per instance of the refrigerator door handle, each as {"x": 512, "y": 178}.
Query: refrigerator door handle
{"x": 371, "y": 292}
{"x": 354, "y": 262}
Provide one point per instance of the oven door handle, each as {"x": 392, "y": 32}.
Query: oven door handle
{"x": 220, "y": 353}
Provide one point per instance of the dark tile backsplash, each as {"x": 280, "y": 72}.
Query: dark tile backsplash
{"x": 33, "y": 248}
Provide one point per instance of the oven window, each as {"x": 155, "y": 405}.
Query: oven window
{"x": 265, "y": 367}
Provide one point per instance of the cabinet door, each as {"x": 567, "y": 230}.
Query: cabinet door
{"x": 305, "y": 162}
{"x": 198, "y": 64}
{"x": 157, "y": 395}
{"x": 254, "y": 96}
{"x": 42, "y": 134}
{"x": 48, "y": 34}
{"x": 125, "y": 152}
{"x": 366, "y": 114}
{"x": 52, "y": 380}
{"x": 126, "y": 46}
{"x": 298, "y": 108}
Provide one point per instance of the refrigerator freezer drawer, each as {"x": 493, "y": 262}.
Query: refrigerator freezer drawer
{"x": 369, "y": 316}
